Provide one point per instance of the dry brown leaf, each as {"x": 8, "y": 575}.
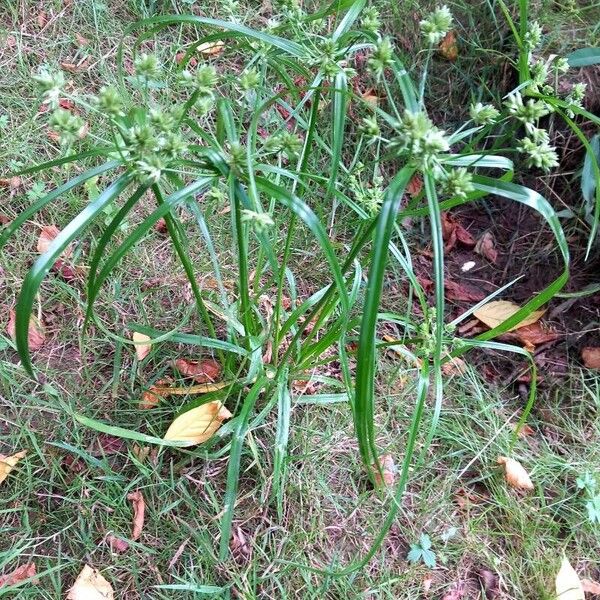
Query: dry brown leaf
{"x": 198, "y": 424}
{"x": 486, "y": 246}
{"x": 18, "y": 575}
{"x": 80, "y": 40}
{"x": 47, "y": 236}
{"x": 36, "y": 335}
{"x": 591, "y": 357}
{"x": 139, "y": 508}
{"x": 387, "y": 476}
{"x": 496, "y": 312}
{"x": 462, "y": 292}
{"x": 370, "y": 97}
{"x": 90, "y": 585}
{"x": 75, "y": 68}
{"x": 142, "y": 347}
{"x": 490, "y": 582}
{"x": 12, "y": 183}
{"x": 211, "y": 48}
{"x": 535, "y": 334}
{"x": 206, "y": 370}
{"x": 590, "y": 587}
{"x": 415, "y": 185}
{"x": 568, "y": 584}
{"x": 106, "y": 444}
{"x": 515, "y": 474}
{"x": 201, "y": 388}
{"x": 42, "y": 19}
{"x": 448, "y": 47}
{"x": 455, "y": 366}
{"x": 117, "y": 544}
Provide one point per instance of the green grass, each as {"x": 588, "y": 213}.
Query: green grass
{"x": 308, "y": 508}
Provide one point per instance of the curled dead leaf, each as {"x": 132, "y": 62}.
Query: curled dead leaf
{"x": 535, "y": 335}
{"x": 496, "y": 312}
{"x": 18, "y": 575}
{"x": 211, "y": 48}
{"x": 36, "y": 335}
{"x": 142, "y": 347}
{"x": 387, "y": 475}
{"x": 154, "y": 394}
{"x": 139, "y": 508}
{"x": 90, "y": 585}
{"x": 462, "y": 292}
{"x": 206, "y": 370}
{"x": 198, "y": 424}
{"x": 486, "y": 246}
{"x": 568, "y": 584}
{"x": 515, "y": 474}
{"x": 415, "y": 185}
{"x": 490, "y": 582}
{"x": 591, "y": 357}
{"x": 12, "y": 183}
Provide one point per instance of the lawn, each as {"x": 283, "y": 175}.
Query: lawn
{"x": 363, "y": 388}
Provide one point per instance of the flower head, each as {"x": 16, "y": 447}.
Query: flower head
{"x": 437, "y": 24}
{"x": 260, "y": 221}
{"x": 483, "y": 114}
{"x": 528, "y": 112}
{"x": 50, "y": 84}
{"x": 540, "y": 153}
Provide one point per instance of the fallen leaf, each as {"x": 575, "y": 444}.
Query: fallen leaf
{"x": 142, "y": 347}
{"x": 161, "y": 226}
{"x": 370, "y": 97}
{"x": 206, "y": 370}
{"x": 455, "y": 366}
{"x": 456, "y": 594}
{"x": 591, "y": 357}
{"x": 106, "y": 444}
{"x": 490, "y": 582}
{"x": 192, "y": 62}
{"x": 75, "y": 68}
{"x": 515, "y": 474}
{"x": 90, "y": 585}
{"x": 211, "y": 48}
{"x": 47, "y": 236}
{"x": 387, "y": 475}
{"x": 525, "y": 430}
{"x": 141, "y": 452}
{"x": 415, "y": 185}
{"x": 42, "y": 19}
{"x": 448, "y": 47}
{"x": 139, "y": 508}
{"x": 36, "y": 335}
{"x": 240, "y": 548}
{"x": 590, "y": 587}
{"x": 462, "y": 292}
{"x": 427, "y": 581}
{"x": 486, "y": 246}
{"x": 80, "y": 40}
{"x": 198, "y": 424}
{"x": 535, "y": 334}
{"x": 18, "y": 575}
{"x": 568, "y": 584}
{"x": 13, "y": 183}
{"x": 151, "y": 397}
{"x": 496, "y": 312}
{"x": 117, "y": 544}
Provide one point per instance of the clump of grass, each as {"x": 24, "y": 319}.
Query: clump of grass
{"x": 192, "y": 130}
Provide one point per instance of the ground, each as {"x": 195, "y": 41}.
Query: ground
{"x": 67, "y": 501}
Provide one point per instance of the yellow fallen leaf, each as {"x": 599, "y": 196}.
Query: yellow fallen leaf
{"x": 142, "y": 347}
{"x": 515, "y": 474}
{"x": 496, "y": 312}
{"x": 90, "y": 585}
{"x": 211, "y": 48}
{"x": 568, "y": 584}
{"x": 198, "y": 424}
{"x": 7, "y": 463}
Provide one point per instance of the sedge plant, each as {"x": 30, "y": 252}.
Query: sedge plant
{"x": 271, "y": 139}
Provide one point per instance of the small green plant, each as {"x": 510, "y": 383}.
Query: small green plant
{"x": 422, "y": 552}
{"x": 588, "y": 484}
{"x": 269, "y": 140}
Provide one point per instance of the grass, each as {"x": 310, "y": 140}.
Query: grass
{"x": 59, "y": 514}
